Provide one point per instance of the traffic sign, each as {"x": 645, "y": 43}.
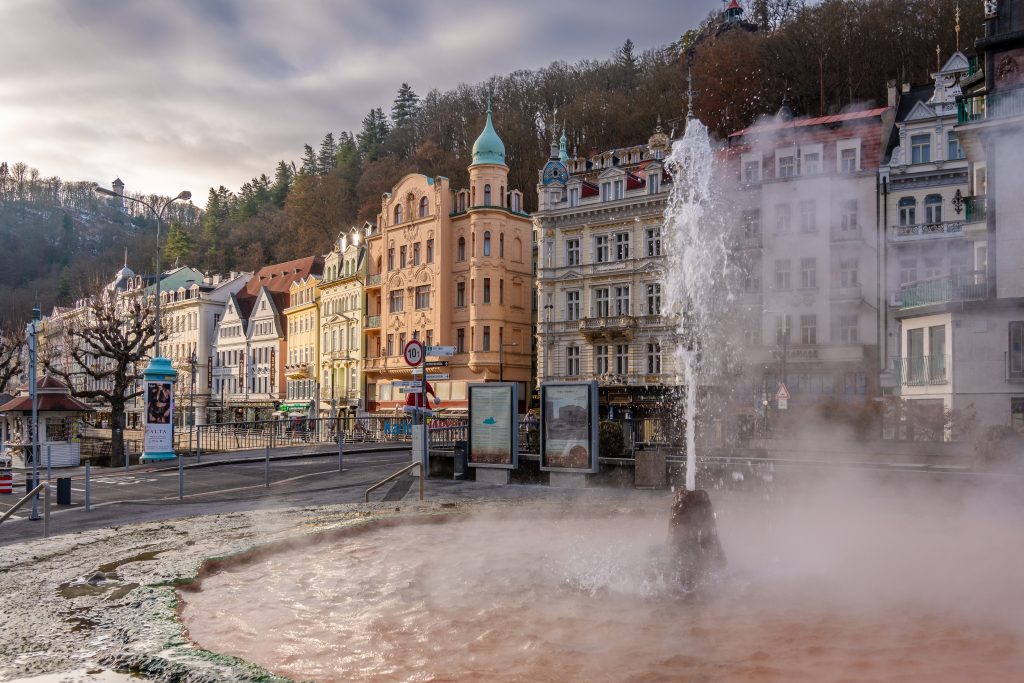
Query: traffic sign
{"x": 440, "y": 351}
{"x": 405, "y": 384}
{"x": 440, "y": 375}
{"x": 783, "y": 403}
{"x": 436, "y": 363}
{"x": 413, "y": 352}
{"x": 410, "y": 390}
{"x": 783, "y": 393}
{"x": 418, "y": 372}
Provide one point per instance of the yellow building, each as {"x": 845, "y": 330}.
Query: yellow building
{"x": 452, "y": 269}
{"x": 302, "y": 318}
{"x": 341, "y": 326}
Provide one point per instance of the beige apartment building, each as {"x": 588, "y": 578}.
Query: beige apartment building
{"x": 302, "y": 321}
{"x": 451, "y": 268}
{"x": 341, "y": 325}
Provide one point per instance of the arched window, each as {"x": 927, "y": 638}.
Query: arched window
{"x": 517, "y": 250}
{"x": 516, "y": 205}
{"x": 501, "y": 245}
{"x": 487, "y": 243}
{"x": 424, "y": 207}
{"x": 462, "y": 202}
{"x": 908, "y": 211}
{"x": 933, "y": 208}
{"x": 398, "y": 214}
{"x": 461, "y": 255}
{"x": 487, "y": 194}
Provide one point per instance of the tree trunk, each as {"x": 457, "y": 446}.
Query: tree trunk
{"x": 117, "y": 452}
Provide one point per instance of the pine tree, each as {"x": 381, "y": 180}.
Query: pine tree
{"x": 405, "y": 107}
{"x": 179, "y": 245}
{"x": 309, "y": 161}
{"x": 373, "y": 134}
{"x": 328, "y": 151}
{"x": 283, "y": 176}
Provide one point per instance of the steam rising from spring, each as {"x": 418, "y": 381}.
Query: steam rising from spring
{"x": 695, "y": 284}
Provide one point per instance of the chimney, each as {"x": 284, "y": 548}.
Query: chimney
{"x": 906, "y": 87}
{"x": 893, "y": 95}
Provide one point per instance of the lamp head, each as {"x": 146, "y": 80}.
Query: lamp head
{"x": 184, "y": 195}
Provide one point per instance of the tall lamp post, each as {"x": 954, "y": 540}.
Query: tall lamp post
{"x": 501, "y": 358}
{"x": 160, "y": 376}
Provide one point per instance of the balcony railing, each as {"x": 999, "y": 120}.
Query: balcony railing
{"x": 923, "y": 231}
{"x": 922, "y": 370}
{"x": 998, "y": 105}
{"x": 967, "y": 286}
{"x": 372, "y": 280}
{"x": 372, "y": 321}
{"x": 975, "y": 209}
{"x": 609, "y": 324}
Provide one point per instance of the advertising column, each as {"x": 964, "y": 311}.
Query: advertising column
{"x": 158, "y": 389}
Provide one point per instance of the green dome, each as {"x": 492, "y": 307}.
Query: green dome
{"x": 488, "y": 148}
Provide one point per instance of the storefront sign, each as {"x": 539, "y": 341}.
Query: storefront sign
{"x": 273, "y": 368}
{"x": 493, "y": 436}
{"x": 568, "y": 426}
{"x": 159, "y": 417}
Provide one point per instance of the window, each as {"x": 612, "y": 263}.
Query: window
{"x": 395, "y": 300}
{"x": 487, "y": 243}
{"x": 654, "y": 183}
{"x": 1016, "y": 350}
{"x": 751, "y": 171}
{"x": 782, "y": 274}
{"x": 782, "y": 328}
{"x": 416, "y": 254}
{"x": 621, "y": 246}
{"x": 601, "y": 248}
{"x": 622, "y": 359}
{"x": 908, "y": 211}
{"x": 811, "y": 164}
{"x": 424, "y": 207}
{"x": 422, "y": 297}
{"x": 460, "y": 340}
{"x": 501, "y": 292}
{"x": 460, "y": 294}
{"x": 391, "y": 345}
{"x": 848, "y": 273}
{"x": 848, "y": 160}
{"x": 601, "y": 302}
{"x": 398, "y": 214}
{"x": 487, "y": 338}
{"x": 808, "y": 273}
{"x": 401, "y": 342}
{"x": 787, "y": 166}
{"x": 572, "y": 305}
{"x": 848, "y": 216}
{"x": 572, "y": 252}
{"x": 809, "y": 329}
{"x": 601, "y": 359}
{"x": 572, "y": 360}
{"x": 654, "y": 359}
{"x": 622, "y": 300}
{"x": 808, "y": 211}
{"x": 908, "y": 270}
{"x": 953, "y": 149}
{"x": 937, "y": 352}
{"x": 920, "y": 149}
{"x": 933, "y": 208}
{"x": 606, "y": 191}
{"x": 574, "y": 196}
{"x": 783, "y": 217}
{"x": 848, "y": 329}
{"x": 501, "y": 245}
{"x": 402, "y": 259}
{"x": 653, "y": 241}
{"x": 430, "y": 251}
{"x": 461, "y": 253}
{"x": 487, "y": 290}
{"x": 391, "y": 258}
{"x": 654, "y": 299}
{"x": 617, "y": 188}
{"x": 517, "y": 202}
{"x": 752, "y": 280}
{"x": 932, "y": 267}
{"x": 462, "y": 202}
{"x": 487, "y": 194}
{"x": 752, "y": 224}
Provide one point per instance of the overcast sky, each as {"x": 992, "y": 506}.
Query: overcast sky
{"x": 189, "y": 94}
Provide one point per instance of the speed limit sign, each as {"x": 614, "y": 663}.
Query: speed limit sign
{"x": 413, "y": 352}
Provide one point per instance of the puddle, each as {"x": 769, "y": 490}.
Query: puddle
{"x": 141, "y": 557}
{"x": 110, "y": 586}
{"x": 79, "y": 624}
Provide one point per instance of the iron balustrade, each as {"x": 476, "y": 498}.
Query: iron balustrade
{"x": 240, "y": 436}
{"x": 922, "y": 370}
{"x": 966, "y": 286}
{"x": 997, "y": 105}
{"x": 918, "y": 231}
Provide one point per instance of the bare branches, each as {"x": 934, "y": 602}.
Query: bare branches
{"x": 12, "y": 363}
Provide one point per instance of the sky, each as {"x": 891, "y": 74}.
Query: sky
{"x": 174, "y": 95}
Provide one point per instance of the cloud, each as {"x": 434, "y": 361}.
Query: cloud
{"x": 173, "y": 94}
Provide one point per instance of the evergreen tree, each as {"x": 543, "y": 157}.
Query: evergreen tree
{"x": 373, "y": 134}
{"x": 309, "y": 160}
{"x": 405, "y": 107}
{"x": 179, "y": 245}
{"x": 328, "y": 152}
{"x": 282, "y": 183}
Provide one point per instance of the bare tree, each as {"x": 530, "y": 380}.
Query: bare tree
{"x": 103, "y": 355}
{"x": 12, "y": 362}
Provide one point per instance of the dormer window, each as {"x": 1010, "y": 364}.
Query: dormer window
{"x": 461, "y": 203}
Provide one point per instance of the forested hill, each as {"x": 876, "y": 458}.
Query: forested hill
{"x": 821, "y": 57}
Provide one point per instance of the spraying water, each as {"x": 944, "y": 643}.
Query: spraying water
{"x": 697, "y": 262}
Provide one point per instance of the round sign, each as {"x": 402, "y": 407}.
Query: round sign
{"x": 413, "y": 352}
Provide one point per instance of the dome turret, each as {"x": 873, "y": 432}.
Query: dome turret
{"x": 488, "y": 148}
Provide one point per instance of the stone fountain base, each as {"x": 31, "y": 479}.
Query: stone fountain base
{"x": 695, "y": 552}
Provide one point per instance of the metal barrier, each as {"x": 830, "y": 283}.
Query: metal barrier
{"x": 46, "y": 506}
{"x": 241, "y": 436}
{"x": 396, "y": 475}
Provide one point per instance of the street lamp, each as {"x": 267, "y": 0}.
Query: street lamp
{"x": 547, "y": 340}
{"x": 501, "y": 359}
{"x": 160, "y": 376}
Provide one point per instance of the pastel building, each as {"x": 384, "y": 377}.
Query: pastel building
{"x": 302, "y": 319}
{"x": 451, "y": 268}
{"x": 341, "y": 325}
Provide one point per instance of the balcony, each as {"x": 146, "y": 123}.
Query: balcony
{"x": 924, "y": 231}
{"x": 610, "y": 326}
{"x": 373, "y": 280}
{"x": 968, "y": 286}
{"x": 372, "y": 322}
{"x": 921, "y": 370}
{"x": 848, "y": 293}
{"x": 975, "y": 209}
{"x": 998, "y": 105}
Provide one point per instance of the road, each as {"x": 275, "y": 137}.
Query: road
{"x": 151, "y": 493}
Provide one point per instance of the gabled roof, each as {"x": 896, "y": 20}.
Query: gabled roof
{"x": 278, "y": 278}
{"x": 910, "y": 99}
{"x": 773, "y": 124}
{"x": 183, "y": 276}
{"x": 919, "y": 112}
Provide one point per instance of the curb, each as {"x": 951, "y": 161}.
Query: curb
{"x": 288, "y": 456}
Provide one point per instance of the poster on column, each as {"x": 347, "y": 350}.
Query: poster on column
{"x": 493, "y": 433}
{"x": 568, "y": 425}
{"x": 159, "y": 417}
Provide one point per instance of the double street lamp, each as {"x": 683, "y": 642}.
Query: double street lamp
{"x": 160, "y": 376}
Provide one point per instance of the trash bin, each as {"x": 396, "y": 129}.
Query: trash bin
{"x": 461, "y": 455}
{"x": 29, "y": 485}
{"x": 64, "y": 491}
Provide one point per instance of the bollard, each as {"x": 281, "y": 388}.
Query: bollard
{"x": 181, "y": 479}
{"x": 87, "y": 464}
{"x": 266, "y": 468}
{"x": 49, "y": 464}
{"x": 341, "y": 450}
{"x": 127, "y": 456}
{"x": 46, "y": 510}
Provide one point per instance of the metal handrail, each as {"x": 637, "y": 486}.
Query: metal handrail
{"x": 46, "y": 506}
{"x": 396, "y": 475}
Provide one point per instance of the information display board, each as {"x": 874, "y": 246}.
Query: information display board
{"x": 159, "y": 437}
{"x": 568, "y": 427}
{"x": 493, "y": 430}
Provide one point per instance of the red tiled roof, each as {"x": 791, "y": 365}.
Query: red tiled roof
{"x": 803, "y": 123}
{"x": 46, "y": 403}
{"x": 280, "y": 276}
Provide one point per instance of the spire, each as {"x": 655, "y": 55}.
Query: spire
{"x": 488, "y": 148}
{"x": 563, "y": 154}
{"x": 126, "y": 257}
{"x": 957, "y": 26}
